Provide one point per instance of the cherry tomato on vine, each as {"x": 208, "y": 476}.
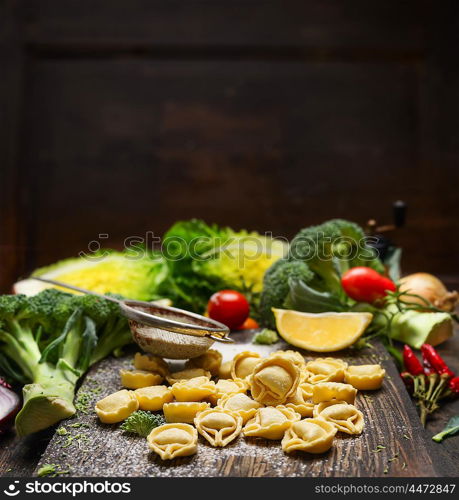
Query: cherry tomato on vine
{"x": 364, "y": 284}
{"x": 229, "y": 307}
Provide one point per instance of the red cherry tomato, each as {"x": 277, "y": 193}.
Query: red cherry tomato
{"x": 229, "y": 307}
{"x": 249, "y": 324}
{"x": 364, "y": 284}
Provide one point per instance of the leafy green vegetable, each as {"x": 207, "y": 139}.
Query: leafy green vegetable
{"x": 48, "y": 341}
{"x": 266, "y": 337}
{"x": 332, "y": 248}
{"x": 276, "y": 286}
{"x": 304, "y": 298}
{"x": 203, "y": 259}
{"x": 142, "y": 423}
{"x": 451, "y": 428}
{"x": 309, "y": 279}
{"x": 134, "y": 273}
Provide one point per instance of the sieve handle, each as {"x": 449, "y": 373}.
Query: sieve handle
{"x": 218, "y": 331}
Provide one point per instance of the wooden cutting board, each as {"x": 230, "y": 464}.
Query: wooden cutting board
{"x": 393, "y": 442}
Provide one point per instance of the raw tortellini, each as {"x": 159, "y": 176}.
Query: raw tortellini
{"x": 244, "y": 363}
{"x": 173, "y": 440}
{"x": 325, "y": 370}
{"x": 312, "y": 435}
{"x": 271, "y": 422}
{"x": 209, "y": 361}
{"x": 327, "y": 391}
{"x": 153, "y": 398}
{"x": 301, "y": 402}
{"x": 295, "y": 356}
{"x": 225, "y": 370}
{"x": 183, "y": 412}
{"x": 241, "y": 404}
{"x": 344, "y": 416}
{"x": 194, "y": 389}
{"x": 228, "y": 386}
{"x": 116, "y": 407}
{"x": 187, "y": 374}
{"x": 135, "y": 379}
{"x": 218, "y": 425}
{"x": 274, "y": 379}
{"x": 365, "y": 377}
{"x": 151, "y": 363}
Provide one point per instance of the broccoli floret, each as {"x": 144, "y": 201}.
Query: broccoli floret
{"x": 310, "y": 278}
{"x": 142, "y": 423}
{"x": 332, "y": 248}
{"x": 276, "y": 286}
{"x": 47, "y": 342}
{"x": 265, "y": 337}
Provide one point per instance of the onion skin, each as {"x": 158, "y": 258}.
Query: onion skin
{"x": 430, "y": 288}
{"x": 10, "y": 404}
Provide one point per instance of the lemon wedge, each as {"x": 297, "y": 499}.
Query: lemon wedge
{"x": 324, "y": 332}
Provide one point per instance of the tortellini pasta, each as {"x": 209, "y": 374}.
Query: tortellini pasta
{"x": 173, "y": 440}
{"x": 295, "y": 356}
{"x": 301, "y": 403}
{"x": 344, "y": 416}
{"x": 135, "y": 379}
{"x": 274, "y": 379}
{"x": 312, "y": 435}
{"x": 187, "y": 374}
{"x": 116, "y": 407}
{"x": 153, "y": 398}
{"x": 327, "y": 391}
{"x": 304, "y": 404}
{"x": 244, "y": 363}
{"x": 209, "y": 361}
{"x": 218, "y": 425}
{"x": 225, "y": 370}
{"x": 241, "y": 404}
{"x": 365, "y": 377}
{"x": 325, "y": 370}
{"x": 183, "y": 412}
{"x": 228, "y": 386}
{"x": 194, "y": 389}
{"x": 151, "y": 363}
{"x": 271, "y": 422}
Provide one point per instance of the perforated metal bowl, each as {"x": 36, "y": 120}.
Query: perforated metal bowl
{"x": 172, "y": 344}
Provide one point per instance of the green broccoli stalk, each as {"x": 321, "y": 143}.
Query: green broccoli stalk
{"x": 48, "y": 342}
{"x": 142, "y": 423}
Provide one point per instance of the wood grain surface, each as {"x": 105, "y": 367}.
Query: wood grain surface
{"x": 250, "y": 113}
{"x": 390, "y": 422}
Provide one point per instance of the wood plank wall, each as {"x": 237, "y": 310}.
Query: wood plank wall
{"x": 121, "y": 117}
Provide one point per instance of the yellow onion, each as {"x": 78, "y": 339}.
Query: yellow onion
{"x": 430, "y": 288}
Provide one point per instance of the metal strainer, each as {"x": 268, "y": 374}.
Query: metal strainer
{"x": 165, "y": 331}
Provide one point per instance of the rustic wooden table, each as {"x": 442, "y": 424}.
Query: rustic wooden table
{"x": 20, "y": 457}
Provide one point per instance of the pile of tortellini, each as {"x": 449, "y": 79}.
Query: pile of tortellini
{"x": 280, "y": 397}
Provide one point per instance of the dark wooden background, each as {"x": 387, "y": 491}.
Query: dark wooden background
{"x": 120, "y": 117}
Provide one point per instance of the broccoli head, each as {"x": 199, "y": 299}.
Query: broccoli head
{"x": 310, "y": 278}
{"x": 276, "y": 286}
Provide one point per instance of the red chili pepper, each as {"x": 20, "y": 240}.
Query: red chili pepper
{"x": 411, "y": 362}
{"x": 434, "y": 360}
{"x": 454, "y": 385}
